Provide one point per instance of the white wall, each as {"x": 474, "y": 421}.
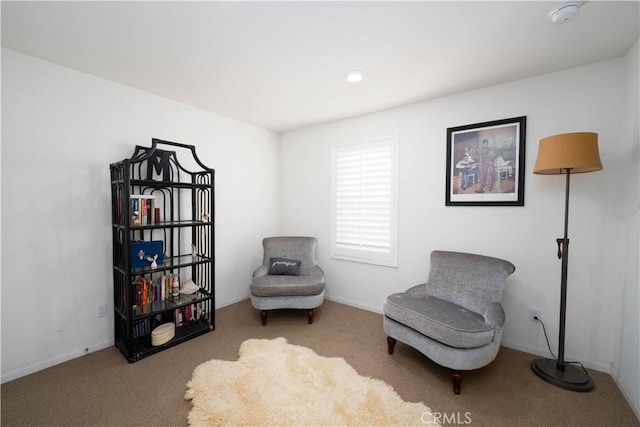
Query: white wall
{"x": 626, "y": 365}
{"x": 60, "y": 131}
{"x": 590, "y": 98}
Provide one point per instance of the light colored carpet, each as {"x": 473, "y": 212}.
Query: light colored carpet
{"x": 277, "y": 383}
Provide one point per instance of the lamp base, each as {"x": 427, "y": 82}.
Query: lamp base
{"x": 571, "y": 378}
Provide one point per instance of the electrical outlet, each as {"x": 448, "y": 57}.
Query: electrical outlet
{"x": 534, "y": 314}
{"x": 101, "y": 310}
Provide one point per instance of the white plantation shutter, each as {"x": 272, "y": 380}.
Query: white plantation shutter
{"x": 364, "y": 217}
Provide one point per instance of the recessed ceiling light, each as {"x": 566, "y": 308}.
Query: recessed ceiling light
{"x": 354, "y": 76}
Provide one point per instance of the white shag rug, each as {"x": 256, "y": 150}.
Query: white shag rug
{"x": 279, "y": 384}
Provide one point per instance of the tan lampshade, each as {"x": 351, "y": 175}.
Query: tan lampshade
{"x": 577, "y": 151}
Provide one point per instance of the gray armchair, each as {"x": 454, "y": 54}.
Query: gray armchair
{"x": 456, "y": 318}
{"x": 289, "y": 277}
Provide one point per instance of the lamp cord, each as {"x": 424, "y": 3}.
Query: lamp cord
{"x": 536, "y": 318}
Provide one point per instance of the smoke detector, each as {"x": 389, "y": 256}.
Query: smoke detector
{"x": 565, "y": 12}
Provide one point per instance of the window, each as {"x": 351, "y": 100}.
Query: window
{"x": 364, "y": 202}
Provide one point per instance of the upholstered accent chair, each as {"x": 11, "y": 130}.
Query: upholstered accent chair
{"x": 456, "y": 318}
{"x": 289, "y": 277}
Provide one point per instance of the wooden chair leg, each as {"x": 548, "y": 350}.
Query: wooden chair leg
{"x": 391, "y": 343}
{"x": 310, "y": 315}
{"x": 456, "y": 376}
{"x": 263, "y": 315}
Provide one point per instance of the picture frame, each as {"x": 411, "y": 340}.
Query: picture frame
{"x": 485, "y": 163}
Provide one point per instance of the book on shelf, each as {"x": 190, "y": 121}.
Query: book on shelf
{"x": 141, "y": 328}
{"x": 147, "y": 291}
{"x": 143, "y": 254}
{"x": 144, "y": 210}
{"x": 185, "y": 316}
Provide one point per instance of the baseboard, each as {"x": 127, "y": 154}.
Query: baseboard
{"x": 231, "y": 301}
{"x": 629, "y": 397}
{"x": 34, "y": 367}
{"x": 354, "y": 304}
{"x": 598, "y": 366}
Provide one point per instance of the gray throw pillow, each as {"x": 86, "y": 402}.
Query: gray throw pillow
{"x": 284, "y": 267}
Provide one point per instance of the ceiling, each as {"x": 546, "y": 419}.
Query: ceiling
{"x": 282, "y": 65}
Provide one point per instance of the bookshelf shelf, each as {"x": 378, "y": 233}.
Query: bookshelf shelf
{"x": 163, "y": 238}
{"x": 140, "y": 311}
{"x": 143, "y": 348}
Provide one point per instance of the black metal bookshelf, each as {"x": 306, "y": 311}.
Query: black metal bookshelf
{"x": 157, "y": 199}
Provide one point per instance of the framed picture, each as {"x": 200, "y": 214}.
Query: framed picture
{"x": 485, "y": 163}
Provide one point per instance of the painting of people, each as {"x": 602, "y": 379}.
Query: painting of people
{"x": 485, "y": 163}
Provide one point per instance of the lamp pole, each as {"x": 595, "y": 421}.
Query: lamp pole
{"x": 563, "y": 254}
{"x": 556, "y": 372}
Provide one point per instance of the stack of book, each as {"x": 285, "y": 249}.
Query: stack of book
{"x": 185, "y": 315}
{"x": 141, "y": 328}
{"x": 144, "y": 210}
{"x": 160, "y": 289}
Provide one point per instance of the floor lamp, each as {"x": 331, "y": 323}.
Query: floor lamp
{"x": 565, "y": 154}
